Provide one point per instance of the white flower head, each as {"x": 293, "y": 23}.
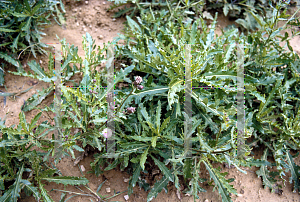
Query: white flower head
{"x": 107, "y": 133}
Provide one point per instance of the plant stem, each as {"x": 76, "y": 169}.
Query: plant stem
{"x": 115, "y": 195}
{"x": 132, "y": 91}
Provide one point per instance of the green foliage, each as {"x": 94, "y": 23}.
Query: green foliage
{"x": 23, "y": 167}
{"x": 154, "y": 134}
{"x": 20, "y": 25}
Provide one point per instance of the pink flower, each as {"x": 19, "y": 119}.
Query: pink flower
{"x": 138, "y": 80}
{"x": 140, "y": 87}
{"x": 107, "y": 133}
{"x": 131, "y": 110}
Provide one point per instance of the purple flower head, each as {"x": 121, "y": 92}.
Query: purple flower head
{"x": 94, "y": 80}
{"x": 138, "y": 80}
{"x": 131, "y": 110}
{"x": 140, "y": 87}
{"x": 91, "y": 91}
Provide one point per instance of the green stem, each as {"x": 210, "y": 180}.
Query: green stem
{"x": 132, "y": 91}
{"x": 114, "y": 195}
{"x": 218, "y": 135}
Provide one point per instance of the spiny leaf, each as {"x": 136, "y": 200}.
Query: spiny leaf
{"x": 9, "y": 59}
{"x": 136, "y": 175}
{"x": 16, "y": 187}
{"x": 67, "y": 180}
{"x": 44, "y": 193}
{"x": 219, "y": 182}
{"x": 34, "y": 121}
{"x": 144, "y": 158}
{"x": 133, "y": 25}
{"x": 158, "y": 186}
{"x": 36, "y": 99}
{"x": 263, "y": 172}
{"x": 167, "y": 173}
{"x": 295, "y": 174}
{"x": 158, "y": 114}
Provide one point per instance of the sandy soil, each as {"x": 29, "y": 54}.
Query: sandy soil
{"x": 93, "y": 18}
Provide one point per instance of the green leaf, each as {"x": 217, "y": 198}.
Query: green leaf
{"x": 7, "y": 196}
{"x": 34, "y": 121}
{"x": 226, "y": 9}
{"x": 7, "y": 30}
{"x": 44, "y": 193}
{"x": 1, "y": 77}
{"x": 16, "y": 187}
{"x": 158, "y": 114}
{"x": 153, "y": 141}
{"x": 14, "y": 45}
{"x": 67, "y": 180}
{"x": 36, "y": 99}
{"x": 220, "y": 182}
{"x": 158, "y": 186}
{"x": 187, "y": 168}
{"x": 263, "y": 105}
{"x": 19, "y": 15}
{"x": 264, "y": 173}
{"x": 174, "y": 87}
{"x": 34, "y": 66}
{"x": 78, "y": 148}
{"x": 136, "y": 175}
{"x": 295, "y": 174}
{"x": 27, "y": 26}
{"x": 9, "y": 59}
{"x": 144, "y": 158}
{"x": 33, "y": 190}
{"x": 167, "y": 173}
{"x": 132, "y": 24}
{"x": 23, "y": 121}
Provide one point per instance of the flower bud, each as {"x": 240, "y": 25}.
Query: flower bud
{"x": 112, "y": 107}
{"x": 140, "y": 87}
{"x": 94, "y": 80}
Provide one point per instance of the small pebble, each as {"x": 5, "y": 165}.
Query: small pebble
{"x": 126, "y": 197}
{"x": 126, "y": 180}
{"x": 86, "y": 2}
{"x": 75, "y": 10}
{"x": 82, "y": 168}
{"x": 206, "y": 200}
{"x": 84, "y": 29}
{"x": 100, "y": 37}
{"x": 108, "y": 190}
{"x": 77, "y": 24}
{"x": 41, "y": 62}
{"x": 114, "y": 19}
{"x": 104, "y": 3}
